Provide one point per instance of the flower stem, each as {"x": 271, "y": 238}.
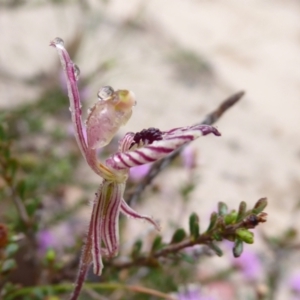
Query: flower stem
{"x": 85, "y": 261}
{"x": 62, "y": 288}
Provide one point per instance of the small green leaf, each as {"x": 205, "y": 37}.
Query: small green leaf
{"x": 188, "y": 258}
{"x": 186, "y": 190}
{"x": 8, "y": 265}
{"x": 213, "y": 221}
{"x": 238, "y": 248}
{"x": 136, "y": 249}
{"x": 11, "y": 249}
{"x": 215, "y": 248}
{"x": 157, "y": 243}
{"x": 50, "y": 255}
{"x": 12, "y": 168}
{"x": 245, "y": 235}
{"x": 260, "y": 206}
{"x": 241, "y": 211}
{"x": 21, "y": 188}
{"x": 216, "y": 236}
{"x": 230, "y": 218}
{"x": 2, "y": 133}
{"x": 194, "y": 226}
{"x": 222, "y": 209}
{"x": 32, "y": 205}
{"x": 178, "y": 236}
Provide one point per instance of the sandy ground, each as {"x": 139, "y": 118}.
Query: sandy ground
{"x": 248, "y": 45}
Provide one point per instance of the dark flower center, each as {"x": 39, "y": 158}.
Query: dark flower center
{"x": 146, "y": 137}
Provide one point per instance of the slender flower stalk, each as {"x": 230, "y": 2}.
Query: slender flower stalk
{"x": 113, "y": 110}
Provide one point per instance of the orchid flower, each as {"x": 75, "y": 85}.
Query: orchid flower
{"x": 113, "y": 110}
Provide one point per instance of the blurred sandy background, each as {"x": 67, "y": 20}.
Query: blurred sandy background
{"x": 182, "y": 58}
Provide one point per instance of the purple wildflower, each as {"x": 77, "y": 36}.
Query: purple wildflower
{"x": 45, "y": 240}
{"x": 56, "y": 238}
{"x": 294, "y": 283}
{"x": 193, "y": 293}
{"x": 113, "y": 110}
{"x": 249, "y": 264}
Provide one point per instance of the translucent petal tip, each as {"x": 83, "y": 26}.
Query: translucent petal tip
{"x": 57, "y": 42}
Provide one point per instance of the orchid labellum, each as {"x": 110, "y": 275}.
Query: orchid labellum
{"x": 113, "y": 110}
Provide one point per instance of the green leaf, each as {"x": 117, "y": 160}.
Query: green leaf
{"x": 188, "y": 258}
{"x": 215, "y": 248}
{"x": 194, "y": 226}
{"x": 136, "y": 249}
{"x": 11, "y": 249}
{"x": 216, "y": 236}
{"x": 2, "y": 133}
{"x": 157, "y": 243}
{"x": 230, "y": 218}
{"x": 50, "y": 255}
{"x": 260, "y": 206}
{"x": 245, "y": 235}
{"x": 21, "y": 188}
{"x": 178, "y": 236}
{"x": 213, "y": 221}
{"x": 12, "y": 168}
{"x": 32, "y": 205}
{"x": 222, "y": 209}
{"x": 238, "y": 248}
{"x": 242, "y": 211}
{"x": 8, "y": 265}
{"x": 187, "y": 189}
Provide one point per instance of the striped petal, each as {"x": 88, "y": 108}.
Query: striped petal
{"x": 171, "y": 140}
{"x": 105, "y": 222}
{"x": 72, "y": 73}
{"x": 129, "y": 212}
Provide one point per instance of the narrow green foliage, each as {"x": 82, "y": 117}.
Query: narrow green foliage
{"x": 50, "y": 256}
{"x": 245, "y": 235}
{"x": 187, "y": 258}
{"x": 2, "y": 133}
{"x": 215, "y": 248}
{"x": 238, "y": 248}
{"x": 186, "y": 190}
{"x": 11, "y": 249}
{"x": 12, "y": 168}
{"x": 241, "y": 212}
{"x": 213, "y": 222}
{"x": 260, "y": 206}
{"x": 178, "y": 236}
{"x": 21, "y": 188}
{"x": 217, "y": 236}
{"x": 222, "y": 209}
{"x": 194, "y": 226}
{"x": 136, "y": 249}
{"x": 8, "y": 265}
{"x": 230, "y": 218}
{"x": 157, "y": 243}
{"x": 32, "y": 205}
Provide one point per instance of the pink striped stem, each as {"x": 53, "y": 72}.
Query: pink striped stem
{"x": 171, "y": 141}
{"x": 105, "y": 222}
{"x": 110, "y": 228}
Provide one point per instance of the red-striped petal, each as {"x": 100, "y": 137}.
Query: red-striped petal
{"x": 171, "y": 141}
